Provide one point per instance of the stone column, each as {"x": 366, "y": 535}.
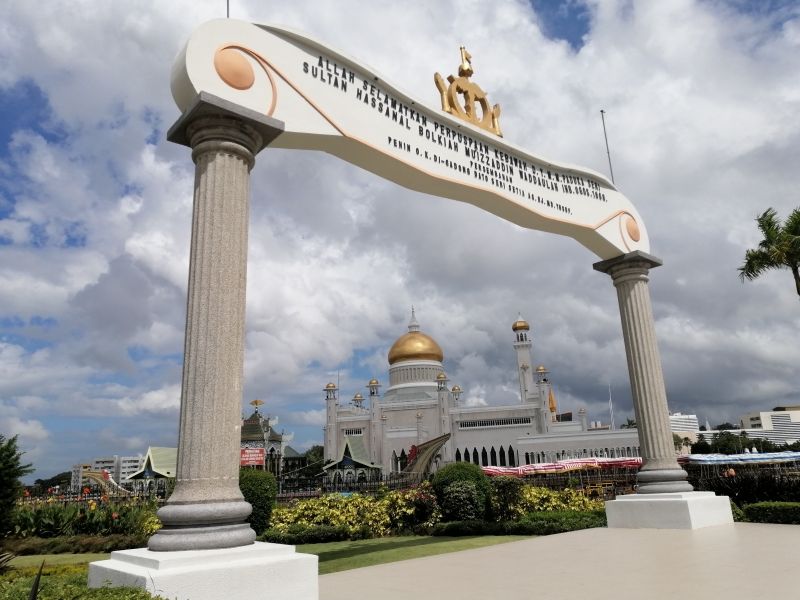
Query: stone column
{"x": 660, "y": 471}
{"x": 207, "y": 510}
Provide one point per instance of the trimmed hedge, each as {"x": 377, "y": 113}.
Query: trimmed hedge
{"x": 73, "y": 544}
{"x": 310, "y": 534}
{"x": 541, "y": 523}
{"x": 546, "y": 523}
{"x": 773, "y": 512}
{"x": 260, "y": 489}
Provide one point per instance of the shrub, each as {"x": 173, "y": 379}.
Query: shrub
{"x": 466, "y": 528}
{"x": 538, "y": 499}
{"x": 47, "y": 520}
{"x": 461, "y": 502}
{"x": 738, "y": 513}
{"x": 546, "y": 523}
{"x": 462, "y": 471}
{"x": 414, "y": 509}
{"x": 540, "y": 523}
{"x": 260, "y": 490}
{"x": 506, "y": 497}
{"x": 363, "y": 516}
{"x": 74, "y": 544}
{"x": 773, "y": 512}
{"x": 307, "y": 534}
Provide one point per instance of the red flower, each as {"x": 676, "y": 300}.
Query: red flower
{"x": 115, "y": 516}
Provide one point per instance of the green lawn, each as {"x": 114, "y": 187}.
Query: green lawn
{"x": 341, "y": 556}
{"x": 333, "y": 556}
{"x": 34, "y": 560}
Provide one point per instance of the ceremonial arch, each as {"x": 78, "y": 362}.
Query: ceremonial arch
{"x": 242, "y": 88}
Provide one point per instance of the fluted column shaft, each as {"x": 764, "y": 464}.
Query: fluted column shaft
{"x": 660, "y": 471}
{"x": 207, "y": 510}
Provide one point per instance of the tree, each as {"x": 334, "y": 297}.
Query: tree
{"x": 314, "y": 461}
{"x": 726, "y": 426}
{"x": 11, "y": 469}
{"x": 628, "y": 424}
{"x": 701, "y": 446}
{"x": 260, "y": 489}
{"x": 780, "y": 248}
{"x": 61, "y": 479}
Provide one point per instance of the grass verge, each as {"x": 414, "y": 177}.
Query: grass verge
{"x": 342, "y": 556}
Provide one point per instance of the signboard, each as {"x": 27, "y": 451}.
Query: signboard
{"x": 250, "y": 457}
{"x": 332, "y": 103}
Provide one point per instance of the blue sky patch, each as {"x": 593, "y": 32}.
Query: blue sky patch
{"x": 567, "y": 20}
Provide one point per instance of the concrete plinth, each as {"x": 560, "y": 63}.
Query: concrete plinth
{"x": 260, "y": 571}
{"x": 687, "y": 510}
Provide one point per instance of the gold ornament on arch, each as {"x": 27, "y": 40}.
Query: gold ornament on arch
{"x": 475, "y": 109}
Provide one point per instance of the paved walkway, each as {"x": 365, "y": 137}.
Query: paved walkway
{"x": 744, "y": 560}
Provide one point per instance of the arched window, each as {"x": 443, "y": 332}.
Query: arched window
{"x": 458, "y": 455}
{"x": 362, "y": 476}
{"x": 403, "y": 460}
{"x": 475, "y": 458}
{"x": 502, "y": 457}
{"x": 493, "y": 456}
{"x": 511, "y": 460}
{"x": 484, "y": 457}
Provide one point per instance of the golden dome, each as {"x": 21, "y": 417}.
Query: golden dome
{"x": 358, "y": 396}
{"x": 520, "y": 325}
{"x": 456, "y": 388}
{"x": 373, "y": 381}
{"x": 330, "y": 386}
{"x": 441, "y": 377}
{"x": 415, "y": 345}
{"x": 541, "y": 369}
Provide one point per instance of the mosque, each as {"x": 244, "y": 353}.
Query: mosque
{"x": 382, "y": 433}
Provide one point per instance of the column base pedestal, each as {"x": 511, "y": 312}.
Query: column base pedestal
{"x": 687, "y": 510}
{"x": 258, "y": 571}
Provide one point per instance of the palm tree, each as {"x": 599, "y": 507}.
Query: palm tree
{"x": 780, "y": 248}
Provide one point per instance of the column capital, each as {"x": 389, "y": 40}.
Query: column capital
{"x": 632, "y": 259}
{"x": 263, "y": 130}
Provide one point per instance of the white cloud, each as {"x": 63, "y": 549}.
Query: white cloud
{"x": 701, "y": 106}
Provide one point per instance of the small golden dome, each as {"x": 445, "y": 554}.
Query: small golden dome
{"x": 520, "y": 325}
{"x": 330, "y": 386}
{"x": 441, "y": 377}
{"x": 373, "y": 381}
{"x": 456, "y": 388}
{"x": 541, "y": 369}
{"x": 415, "y": 345}
{"x": 358, "y": 396}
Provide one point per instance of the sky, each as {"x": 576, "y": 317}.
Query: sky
{"x": 701, "y": 101}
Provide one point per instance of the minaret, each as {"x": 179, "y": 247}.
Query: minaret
{"x": 547, "y": 400}
{"x": 523, "y": 347}
{"x": 376, "y": 429}
{"x": 331, "y": 427}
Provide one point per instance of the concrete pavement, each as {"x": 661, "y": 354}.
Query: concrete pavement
{"x": 739, "y": 561}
